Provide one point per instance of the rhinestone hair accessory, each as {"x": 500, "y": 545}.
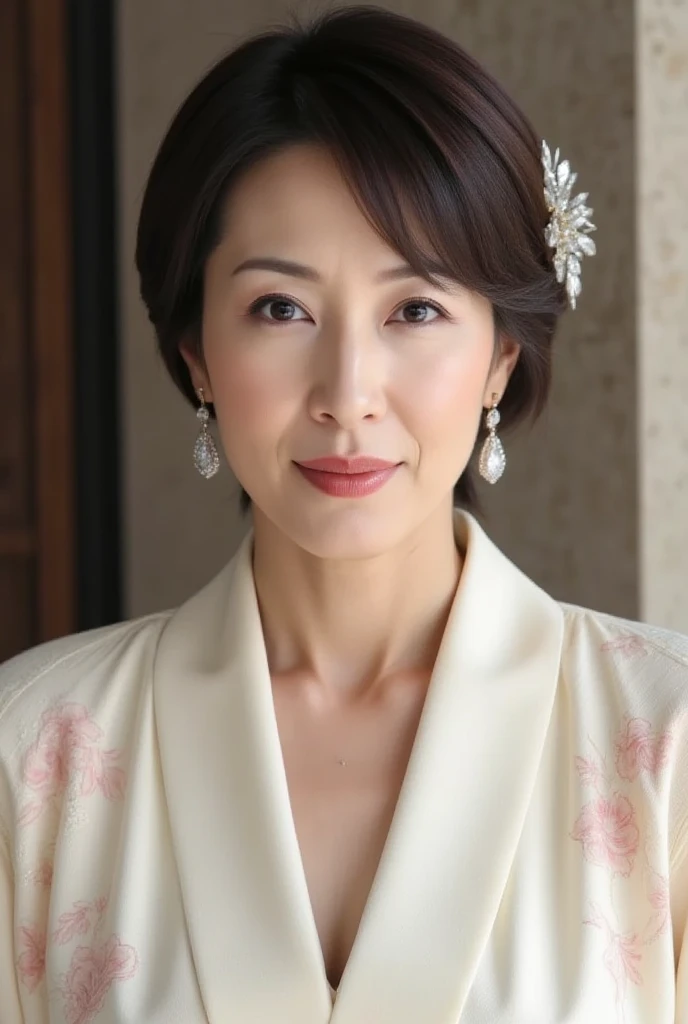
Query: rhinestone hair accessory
{"x": 569, "y": 224}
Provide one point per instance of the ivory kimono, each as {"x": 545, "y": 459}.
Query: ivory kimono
{"x": 536, "y": 870}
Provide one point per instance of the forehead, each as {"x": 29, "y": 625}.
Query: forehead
{"x": 298, "y": 195}
{"x": 295, "y": 205}
{"x": 306, "y": 169}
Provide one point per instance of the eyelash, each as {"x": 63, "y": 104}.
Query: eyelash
{"x": 417, "y": 300}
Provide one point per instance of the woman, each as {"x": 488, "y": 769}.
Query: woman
{"x": 370, "y": 774}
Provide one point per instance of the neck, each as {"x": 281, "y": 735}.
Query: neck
{"x": 349, "y": 626}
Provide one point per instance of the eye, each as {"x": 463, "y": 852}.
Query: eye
{"x": 281, "y": 309}
{"x": 280, "y": 304}
{"x": 420, "y": 303}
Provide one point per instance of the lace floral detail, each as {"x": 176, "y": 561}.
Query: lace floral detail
{"x": 67, "y": 749}
{"x": 608, "y": 830}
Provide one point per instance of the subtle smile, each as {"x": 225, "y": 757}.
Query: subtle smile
{"x": 354, "y": 477}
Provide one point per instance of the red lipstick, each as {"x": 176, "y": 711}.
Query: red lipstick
{"x": 353, "y": 477}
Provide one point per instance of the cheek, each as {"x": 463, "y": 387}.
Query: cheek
{"x": 256, "y": 400}
{"x": 253, "y": 402}
{"x": 445, "y": 400}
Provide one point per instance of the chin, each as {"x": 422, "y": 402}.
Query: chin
{"x": 345, "y": 534}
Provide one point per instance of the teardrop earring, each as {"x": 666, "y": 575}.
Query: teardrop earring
{"x": 206, "y": 459}
{"x": 492, "y": 457}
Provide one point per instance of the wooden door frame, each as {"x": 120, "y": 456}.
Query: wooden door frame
{"x": 73, "y": 277}
{"x": 50, "y": 287}
{"x": 61, "y": 465}
{"x": 92, "y": 48}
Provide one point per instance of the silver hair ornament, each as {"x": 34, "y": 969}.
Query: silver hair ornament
{"x": 569, "y": 224}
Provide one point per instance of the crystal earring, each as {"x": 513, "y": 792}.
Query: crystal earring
{"x": 206, "y": 459}
{"x": 492, "y": 457}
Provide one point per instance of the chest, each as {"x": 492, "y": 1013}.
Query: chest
{"x": 578, "y": 930}
{"x": 344, "y": 768}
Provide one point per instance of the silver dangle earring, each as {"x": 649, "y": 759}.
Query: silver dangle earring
{"x": 492, "y": 457}
{"x": 206, "y": 459}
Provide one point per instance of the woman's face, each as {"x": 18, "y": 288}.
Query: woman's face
{"x": 337, "y": 359}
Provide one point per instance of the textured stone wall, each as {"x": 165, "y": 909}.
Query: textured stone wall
{"x": 566, "y": 510}
{"x": 663, "y": 309}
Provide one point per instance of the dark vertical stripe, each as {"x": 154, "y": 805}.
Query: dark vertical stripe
{"x": 92, "y": 107}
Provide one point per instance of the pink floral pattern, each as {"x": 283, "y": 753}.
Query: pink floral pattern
{"x": 92, "y": 972}
{"x": 31, "y": 961}
{"x": 639, "y": 749}
{"x": 68, "y": 746}
{"x": 622, "y": 953}
{"x": 629, "y": 646}
{"x": 590, "y": 771}
{"x": 660, "y": 920}
{"x": 93, "y": 968}
{"x": 609, "y": 833}
{"x": 78, "y": 921}
{"x": 43, "y": 875}
{"x": 67, "y": 756}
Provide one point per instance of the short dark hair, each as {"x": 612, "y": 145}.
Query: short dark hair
{"x": 416, "y": 125}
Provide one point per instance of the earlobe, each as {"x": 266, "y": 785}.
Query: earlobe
{"x": 197, "y": 372}
{"x": 501, "y": 374}
{"x": 200, "y": 386}
{"x": 492, "y": 398}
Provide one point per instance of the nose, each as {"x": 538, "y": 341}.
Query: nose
{"x": 349, "y": 375}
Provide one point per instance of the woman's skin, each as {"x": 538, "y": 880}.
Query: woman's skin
{"x": 351, "y": 590}
{"x": 354, "y": 593}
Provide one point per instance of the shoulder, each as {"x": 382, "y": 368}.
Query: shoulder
{"x": 627, "y": 677}
{"x": 619, "y": 669}
{"x": 592, "y": 633}
{"x": 627, "y": 682}
{"x": 77, "y": 663}
{"x": 75, "y": 690}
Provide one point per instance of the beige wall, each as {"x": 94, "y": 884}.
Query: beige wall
{"x": 569, "y": 508}
{"x": 178, "y": 528}
{"x": 663, "y": 309}
{"x": 566, "y": 510}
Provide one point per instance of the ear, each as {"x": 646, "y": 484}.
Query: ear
{"x": 502, "y": 368}
{"x": 189, "y": 352}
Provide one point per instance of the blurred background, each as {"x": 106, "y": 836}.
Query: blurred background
{"x": 102, "y": 515}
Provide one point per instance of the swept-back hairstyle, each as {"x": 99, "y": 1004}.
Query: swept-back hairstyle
{"x": 439, "y": 159}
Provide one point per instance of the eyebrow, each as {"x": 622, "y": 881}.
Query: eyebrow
{"x": 293, "y": 269}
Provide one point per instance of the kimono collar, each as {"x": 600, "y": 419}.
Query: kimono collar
{"x": 456, "y": 825}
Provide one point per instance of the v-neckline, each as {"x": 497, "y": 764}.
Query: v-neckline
{"x": 288, "y": 839}
{"x": 458, "y": 816}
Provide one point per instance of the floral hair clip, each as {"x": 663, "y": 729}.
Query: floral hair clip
{"x": 569, "y": 224}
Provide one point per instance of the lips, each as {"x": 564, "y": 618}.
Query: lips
{"x": 348, "y": 466}
{"x": 348, "y": 478}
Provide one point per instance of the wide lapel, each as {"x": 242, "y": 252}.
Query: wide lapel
{"x": 251, "y": 927}
{"x": 455, "y": 828}
{"x": 464, "y": 798}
